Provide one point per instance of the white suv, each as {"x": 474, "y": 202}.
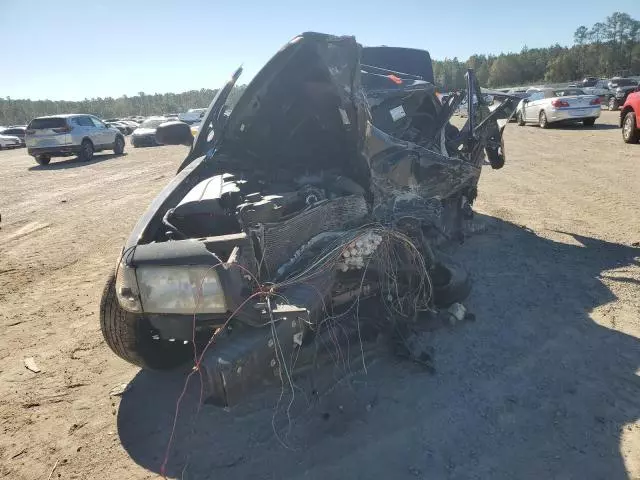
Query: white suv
{"x": 64, "y": 135}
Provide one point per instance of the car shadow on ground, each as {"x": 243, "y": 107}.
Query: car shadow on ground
{"x": 534, "y": 388}
{"x": 580, "y": 127}
{"x": 596, "y": 126}
{"x": 75, "y": 162}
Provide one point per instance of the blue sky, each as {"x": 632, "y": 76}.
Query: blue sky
{"x": 71, "y": 49}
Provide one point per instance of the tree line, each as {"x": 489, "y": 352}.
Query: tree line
{"x": 15, "y": 112}
{"x": 608, "y": 48}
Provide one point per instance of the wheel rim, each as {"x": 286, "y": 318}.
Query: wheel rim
{"x": 88, "y": 151}
{"x": 543, "y": 119}
{"x": 120, "y": 144}
{"x": 626, "y": 128}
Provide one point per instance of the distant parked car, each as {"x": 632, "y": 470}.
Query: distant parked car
{"x": 193, "y": 115}
{"x": 75, "y": 134}
{"x": 15, "y": 131}
{"x": 630, "y": 118}
{"x": 145, "y": 134}
{"x": 131, "y": 123}
{"x": 599, "y": 88}
{"x": 620, "y": 88}
{"x": 123, "y": 128}
{"x": 9, "y": 141}
{"x": 556, "y": 105}
{"x": 589, "y": 82}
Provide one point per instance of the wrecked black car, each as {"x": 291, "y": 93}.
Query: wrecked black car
{"x": 334, "y": 179}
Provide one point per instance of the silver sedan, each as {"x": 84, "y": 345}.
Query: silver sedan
{"x": 558, "y": 105}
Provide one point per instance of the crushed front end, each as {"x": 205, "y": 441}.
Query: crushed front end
{"x": 332, "y": 181}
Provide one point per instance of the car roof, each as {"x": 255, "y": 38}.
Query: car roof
{"x": 66, "y": 115}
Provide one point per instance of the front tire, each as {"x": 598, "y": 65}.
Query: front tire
{"x": 130, "y": 336}
{"x": 86, "y": 151}
{"x": 42, "y": 159}
{"x": 520, "y": 119}
{"x": 542, "y": 120}
{"x": 118, "y": 145}
{"x": 589, "y": 122}
{"x": 613, "y": 104}
{"x": 630, "y": 132}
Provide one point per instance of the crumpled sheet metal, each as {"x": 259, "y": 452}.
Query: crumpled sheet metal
{"x": 409, "y": 180}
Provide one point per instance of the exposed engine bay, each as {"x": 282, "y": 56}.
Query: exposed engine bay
{"x": 332, "y": 181}
{"x": 228, "y": 203}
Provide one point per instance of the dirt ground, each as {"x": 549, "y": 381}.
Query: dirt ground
{"x": 544, "y": 384}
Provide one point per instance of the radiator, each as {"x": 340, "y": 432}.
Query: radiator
{"x": 279, "y": 241}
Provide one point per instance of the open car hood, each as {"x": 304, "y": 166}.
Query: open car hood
{"x": 304, "y": 108}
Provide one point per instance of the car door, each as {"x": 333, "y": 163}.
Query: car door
{"x": 82, "y": 128}
{"x": 103, "y": 134}
{"x": 532, "y": 107}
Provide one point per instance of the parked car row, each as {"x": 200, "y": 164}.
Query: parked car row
{"x": 612, "y": 93}
{"x": 80, "y": 134}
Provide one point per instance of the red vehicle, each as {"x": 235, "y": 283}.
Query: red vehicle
{"x": 630, "y": 118}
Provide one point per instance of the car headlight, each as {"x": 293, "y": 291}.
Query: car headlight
{"x": 180, "y": 289}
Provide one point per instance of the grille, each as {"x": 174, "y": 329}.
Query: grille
{"x": 281, "y": 240}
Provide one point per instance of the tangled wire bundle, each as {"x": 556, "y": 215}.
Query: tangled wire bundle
{"x": 374, "y": 253}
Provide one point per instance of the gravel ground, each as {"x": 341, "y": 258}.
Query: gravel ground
{"x": 544, "y": 384}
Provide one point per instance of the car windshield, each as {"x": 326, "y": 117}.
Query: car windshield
{"x": 152, "y": 123}
{"x": 567, "y": 92}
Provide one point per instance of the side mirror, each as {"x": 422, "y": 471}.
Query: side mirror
{"x": 525, "y": 100}
{"x": 174, "y": 133}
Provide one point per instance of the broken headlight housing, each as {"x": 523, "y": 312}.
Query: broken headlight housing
{"x": 183, "y": 289}
{"x": 127, "y": 288}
